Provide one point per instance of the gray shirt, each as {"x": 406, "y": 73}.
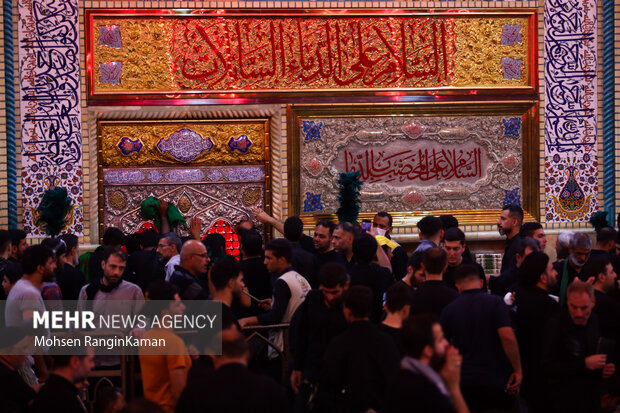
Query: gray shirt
{"x": 24, "y": 296}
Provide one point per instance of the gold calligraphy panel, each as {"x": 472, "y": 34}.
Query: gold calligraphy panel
{"x": 461, "y": 158}
{"x": 201, "y": 54}
{"x": 144, "y": 143}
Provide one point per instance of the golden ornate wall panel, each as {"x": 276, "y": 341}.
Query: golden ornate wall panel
{"x": 137, "y": 54}
{"x": 415, "y": 159}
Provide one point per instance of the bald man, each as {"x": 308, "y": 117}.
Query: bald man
{"x": 194, "y": 261}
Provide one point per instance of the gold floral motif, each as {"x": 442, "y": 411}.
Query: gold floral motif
{"x": 117, "y": 200}
{"x": 184, "y": 204}
{"x": 251, "y": 196}
{"x": 150, "y": 134}
{"x": 144, "y": 54}
{"x": 479, "y": 53}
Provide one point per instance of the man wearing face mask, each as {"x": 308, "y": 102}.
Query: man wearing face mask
{"x": 382, "y": 223}
{"x": 317, "y": 320}
{"x": 571, "y": 267}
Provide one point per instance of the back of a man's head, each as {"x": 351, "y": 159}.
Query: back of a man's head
{"x": 448, "y": 221}
{"x": 358, "y": 300}
{"x": 605, "y": 236}
{"x": 280, "y": 248}
{"x": 417, "y": 333}
{"x": 397, "y": 297}
{"x": 467, "y": 277}
{"x": 17, "y": 235}
{"x": 113, "y": 237}
{"x": 434, "y": 260}
{"x": 234, "y": 345}
{"x": 525, "y": 243}
{"x": 532, "y": 267}
{"x": 293, "y": 228}
{"x": 529, "y": 228}
{"x": 149, "y": 238}
{"x": 430, "y": 226}
{"x": 252, "y": 243}
{"x": 564, "y": 238}
{"x": 596, "y": 264}
{"x": 160, "y": 294}
{"x": 34, "y": 256}
{"x": 333, "y": 275}
{"x": 364, "y": 248}
{"x": 223, "y": 271}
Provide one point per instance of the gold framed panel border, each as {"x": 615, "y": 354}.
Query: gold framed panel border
{"x": 289, "y": 95}
{"x": 530, "y": 173}
{"x": 101, "y": 123}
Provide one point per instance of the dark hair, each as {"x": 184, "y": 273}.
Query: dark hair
{"x": 234, "y": 344}
{"x": 5, "y": 240}
{"x": 347, "y": 227}
{"x": 596, "y": 264}
{"x": 71, "y": 241}
{"x": 239, "y": 227}
{"x": 160, "y": 293}
{"x": 429, "y": 226}
{"x": 465, "y": 271}
{"x": 132, "y": 243}
{"x": 60, "y": 358}
{"x": 114, "y": 251}
{"x": 434, "y": 260}
{"x": 532, "y": 267}
{"x": 604, "y": 235}
{"x": 417, "y": 333}
{"x": 215, "y": 244}
{"x": 364, "y": 248}
{"x": 358, "y": 299}
{"x": 57, "y": 246}
{"x": 293, "y": 228}
{"x": 173, "y": 239}
{"x": 13, "y": 272}
{"x": 223, "y": 271}
{"x": 280, "y": 247}
{"x": 515, "y": 212}
{"x": 384, "y": 214}
{"x": 332, "y": 275}
{"x": 397, "y": 297}
{"x": 448, "y": 221}
{"x": 34, "y": 256}
{"x": 252, "y": 243}
{"x": 327, "y": 224}
{"x": 113, "y": 237}
{"x": 415, "y": 261}
{"x": 523, "y": 243}
{"x": 149, "y": 238}
{"x": 454, "y": 234}
{"x": 529, "y": 228}
{"x": 106, "y": 397}
{"x": 17, "y": 235}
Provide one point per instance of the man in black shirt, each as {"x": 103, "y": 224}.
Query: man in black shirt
{"x": 194, "y": 261}
{"x": 572, "y": 361}
{"x": 570, "y": 268}
{"x": 317, "y": 320}
{"x": 365, "y": 272}
{"x": 456, "y": 252}
{"x": 227, "y": 282}
{"x": 232, "y": 387}
{"x": 324, "y": 249}
{"x": 429, "y": 377}
{"x": 255, "y": 273}
{"x": 342, "y": 240}
{"x": 382, "y": 224}
{"x": 433, "y": 295}
{"x": 479, "y": 325}
{"x": 302, "y": 261}
{"x": 358, "y": 362}
{"x": 144, "y": 266}
{"x": 509, "y": 224}
{"x": 534, "y": 309}
{"x": 60, "y": 394}
{"x": 397, "y": 307}
{"x": 15, "y": 393}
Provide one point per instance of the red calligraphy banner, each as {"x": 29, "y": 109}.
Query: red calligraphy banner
{"x": 311, "y": 53}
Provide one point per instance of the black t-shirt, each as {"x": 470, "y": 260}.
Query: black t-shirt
{"x": 395, "y": 334}
{"x": 470, "y": 323}
{"x": 58, "y": 395}
{"x": 70, "y": 280}
{"x": 432, "y": 297}
{"x": 331, "y": 256}
{"x": 410, "y": 392}
{"x": 258, "y": 281}
{"x": 15, "y": 394}
{"x": 378, "y": 279}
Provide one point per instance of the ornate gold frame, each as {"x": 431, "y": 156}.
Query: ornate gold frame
{"x": 530, "y": 189}
{"x": 267, "y": 157}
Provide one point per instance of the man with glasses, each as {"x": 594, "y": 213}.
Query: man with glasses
{"x": 194, "y": 261}
{"x": 168, "y": 249}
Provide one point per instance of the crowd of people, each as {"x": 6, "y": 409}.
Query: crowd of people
{"x": 369, "y": 327}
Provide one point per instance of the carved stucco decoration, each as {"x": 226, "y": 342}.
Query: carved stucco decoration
{"x": 474, "y": 162}
{"x": 206, "y": 201}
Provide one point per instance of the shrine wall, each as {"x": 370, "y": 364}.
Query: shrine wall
{"x": 87, "y": 188}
